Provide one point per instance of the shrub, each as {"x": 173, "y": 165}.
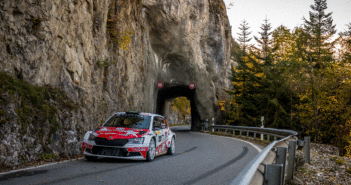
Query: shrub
{"x": 348, "y": 170}
{"x": 338, "y": 160}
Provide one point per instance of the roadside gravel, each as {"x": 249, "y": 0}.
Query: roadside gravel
{"x": 326, "y": 167}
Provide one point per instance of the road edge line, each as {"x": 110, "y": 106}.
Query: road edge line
{"x": 40, "y": 166}
{"x": 252, "y": 144}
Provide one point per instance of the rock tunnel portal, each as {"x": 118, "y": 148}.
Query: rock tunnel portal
{"x": 167, "y": 93}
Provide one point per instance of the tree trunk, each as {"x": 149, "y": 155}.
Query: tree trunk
{"x": 314, "y": 101}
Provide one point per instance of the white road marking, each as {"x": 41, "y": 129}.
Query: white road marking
{"x": 256, "y": 147}
{"x": 40, "y": 166}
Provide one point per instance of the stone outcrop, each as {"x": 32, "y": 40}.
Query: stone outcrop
{"x": 107, "y": 56}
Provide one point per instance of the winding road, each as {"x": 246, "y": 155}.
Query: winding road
{"x": 199, "y": 159}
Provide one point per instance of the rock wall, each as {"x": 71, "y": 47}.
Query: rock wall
{"x": 191, "y": 40}
{"x": 107, "y": 56}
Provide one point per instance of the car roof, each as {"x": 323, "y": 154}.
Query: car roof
{"x": 142, "y": 113}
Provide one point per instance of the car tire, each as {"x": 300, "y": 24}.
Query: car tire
{"x": 171, "y": 149}
{"x": 152, "y": 151}
{"x": 90, "y": 158}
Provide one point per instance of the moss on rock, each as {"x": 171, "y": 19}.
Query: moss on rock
{"x": 37, "y": 109}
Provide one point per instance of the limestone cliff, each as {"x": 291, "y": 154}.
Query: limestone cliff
{"x": 107, "y": 55}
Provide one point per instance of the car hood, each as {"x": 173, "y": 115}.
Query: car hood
{"x": 111, "y": 133}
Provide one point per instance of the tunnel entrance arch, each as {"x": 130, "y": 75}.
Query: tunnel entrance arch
{"x": 167, "y": 93}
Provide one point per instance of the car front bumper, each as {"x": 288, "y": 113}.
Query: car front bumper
{"x": 135, "y": 153}
{"x": 115, "y": 157}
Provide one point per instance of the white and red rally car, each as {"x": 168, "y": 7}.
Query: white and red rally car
{"x": 130, "y": 135}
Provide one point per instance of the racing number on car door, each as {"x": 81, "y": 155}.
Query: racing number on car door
{"x": 157, "y": 130}
{"x": 163, "y": 131}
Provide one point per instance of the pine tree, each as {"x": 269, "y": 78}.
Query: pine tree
{"x": 284, "y": 43}
{"x": 244, "y": 36}
{"x": 242, "y": 56}
{"x": 348, "y": 31}
{"x": 320, "y": 28}
{"x": 345, "y": 45}
{"x": 245, "y": 81}
{"x": 265, "y": 42}
{"x": 273, "y": 97}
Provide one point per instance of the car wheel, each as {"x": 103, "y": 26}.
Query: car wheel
{"x": 152, "y": 150}
{"x": 90, "y": 158}
{"x": 171, "y": 149}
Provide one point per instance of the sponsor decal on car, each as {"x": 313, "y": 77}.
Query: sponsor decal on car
{"x": 137, "y": 149}
{"x": 107, "y": 133}
{"x": 143, "y": 153}
{"x": 162, "y": 147}
{"x": 84, "y": 145}
{"x": 89, "y": 146}
{"x": 130, "y": 132}
{"x": 142, "y": 150}
{"x": 103, "y": 129}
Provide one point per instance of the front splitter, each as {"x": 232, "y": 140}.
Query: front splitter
{"x": 114, "y": 157}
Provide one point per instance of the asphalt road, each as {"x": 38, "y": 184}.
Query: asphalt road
{"x": 199, "y": 159}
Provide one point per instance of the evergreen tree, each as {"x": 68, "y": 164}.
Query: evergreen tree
{"x": 345, "y": 45}
{"x": 348, "y": 31}
{"x": 242, "y": 56}
{"x": 283, "y": 42}
{"x": 245, "y": 81}
{"x": 320, "y": 28}
{"x": 264, "y": 42}
{"x": 244, "y": 36}
{"x": 273, "y": 97}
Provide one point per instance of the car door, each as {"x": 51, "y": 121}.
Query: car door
{"x": 157, "y": 130}
{"x": 163, "y": 134}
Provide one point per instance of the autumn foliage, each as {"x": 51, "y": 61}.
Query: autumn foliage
{"x": 297, "y": 79}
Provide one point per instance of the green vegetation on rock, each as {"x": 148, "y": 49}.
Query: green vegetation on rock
{"x": 33, "y": 104}
{"x": 3, "y": 117}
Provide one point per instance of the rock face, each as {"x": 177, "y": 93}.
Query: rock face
{"x": 107, "y": 55}
{"x": 189, "y": 38}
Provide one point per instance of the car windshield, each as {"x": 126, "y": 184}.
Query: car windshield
{"x": 129, "y": 121}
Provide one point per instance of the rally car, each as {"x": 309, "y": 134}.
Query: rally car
{"x": 130, "y": 135}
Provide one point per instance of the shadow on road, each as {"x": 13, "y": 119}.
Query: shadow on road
{"x": 111, "y": 160}
{"x": 22, "y": 174}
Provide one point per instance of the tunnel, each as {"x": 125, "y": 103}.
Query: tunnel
{"x": 167, "y": 93}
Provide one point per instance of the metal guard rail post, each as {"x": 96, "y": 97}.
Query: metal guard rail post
{"x": 246, "y": 176}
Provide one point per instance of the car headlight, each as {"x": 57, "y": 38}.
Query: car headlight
{"x": 91, "y": 137}
{"x": 139, "y": 140}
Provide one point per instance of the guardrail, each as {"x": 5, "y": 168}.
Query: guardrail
{"x": 261, "y": 170}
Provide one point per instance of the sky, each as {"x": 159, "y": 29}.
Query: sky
{"x": 289, "y": 13}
